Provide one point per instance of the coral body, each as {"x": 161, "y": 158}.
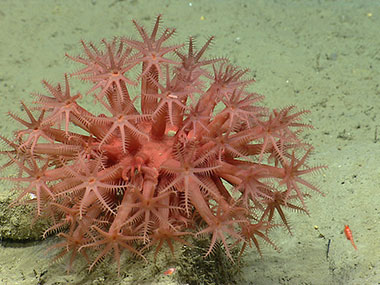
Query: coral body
{"x": 161, "y": 164}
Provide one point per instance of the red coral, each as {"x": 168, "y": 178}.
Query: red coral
{"x": 173, "y": 166}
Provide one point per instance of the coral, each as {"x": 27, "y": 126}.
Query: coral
{"x": 177, "y": 159}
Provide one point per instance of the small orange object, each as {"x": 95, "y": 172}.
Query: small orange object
{"x": 348, "y": 234}
{"x": 170, "y": 271}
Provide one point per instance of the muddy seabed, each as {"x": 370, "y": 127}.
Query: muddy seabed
{"x": 319, "y": 55}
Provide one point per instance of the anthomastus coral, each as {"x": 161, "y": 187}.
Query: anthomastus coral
{"x": 192, "y": 153}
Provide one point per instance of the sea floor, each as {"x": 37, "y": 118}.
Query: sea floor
{"x": 323, "y": 56}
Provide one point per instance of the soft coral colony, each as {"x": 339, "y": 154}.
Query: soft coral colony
{"x": 161, "y": 164}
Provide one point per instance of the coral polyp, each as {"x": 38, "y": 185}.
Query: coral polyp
{"x": 192, "y": 152}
